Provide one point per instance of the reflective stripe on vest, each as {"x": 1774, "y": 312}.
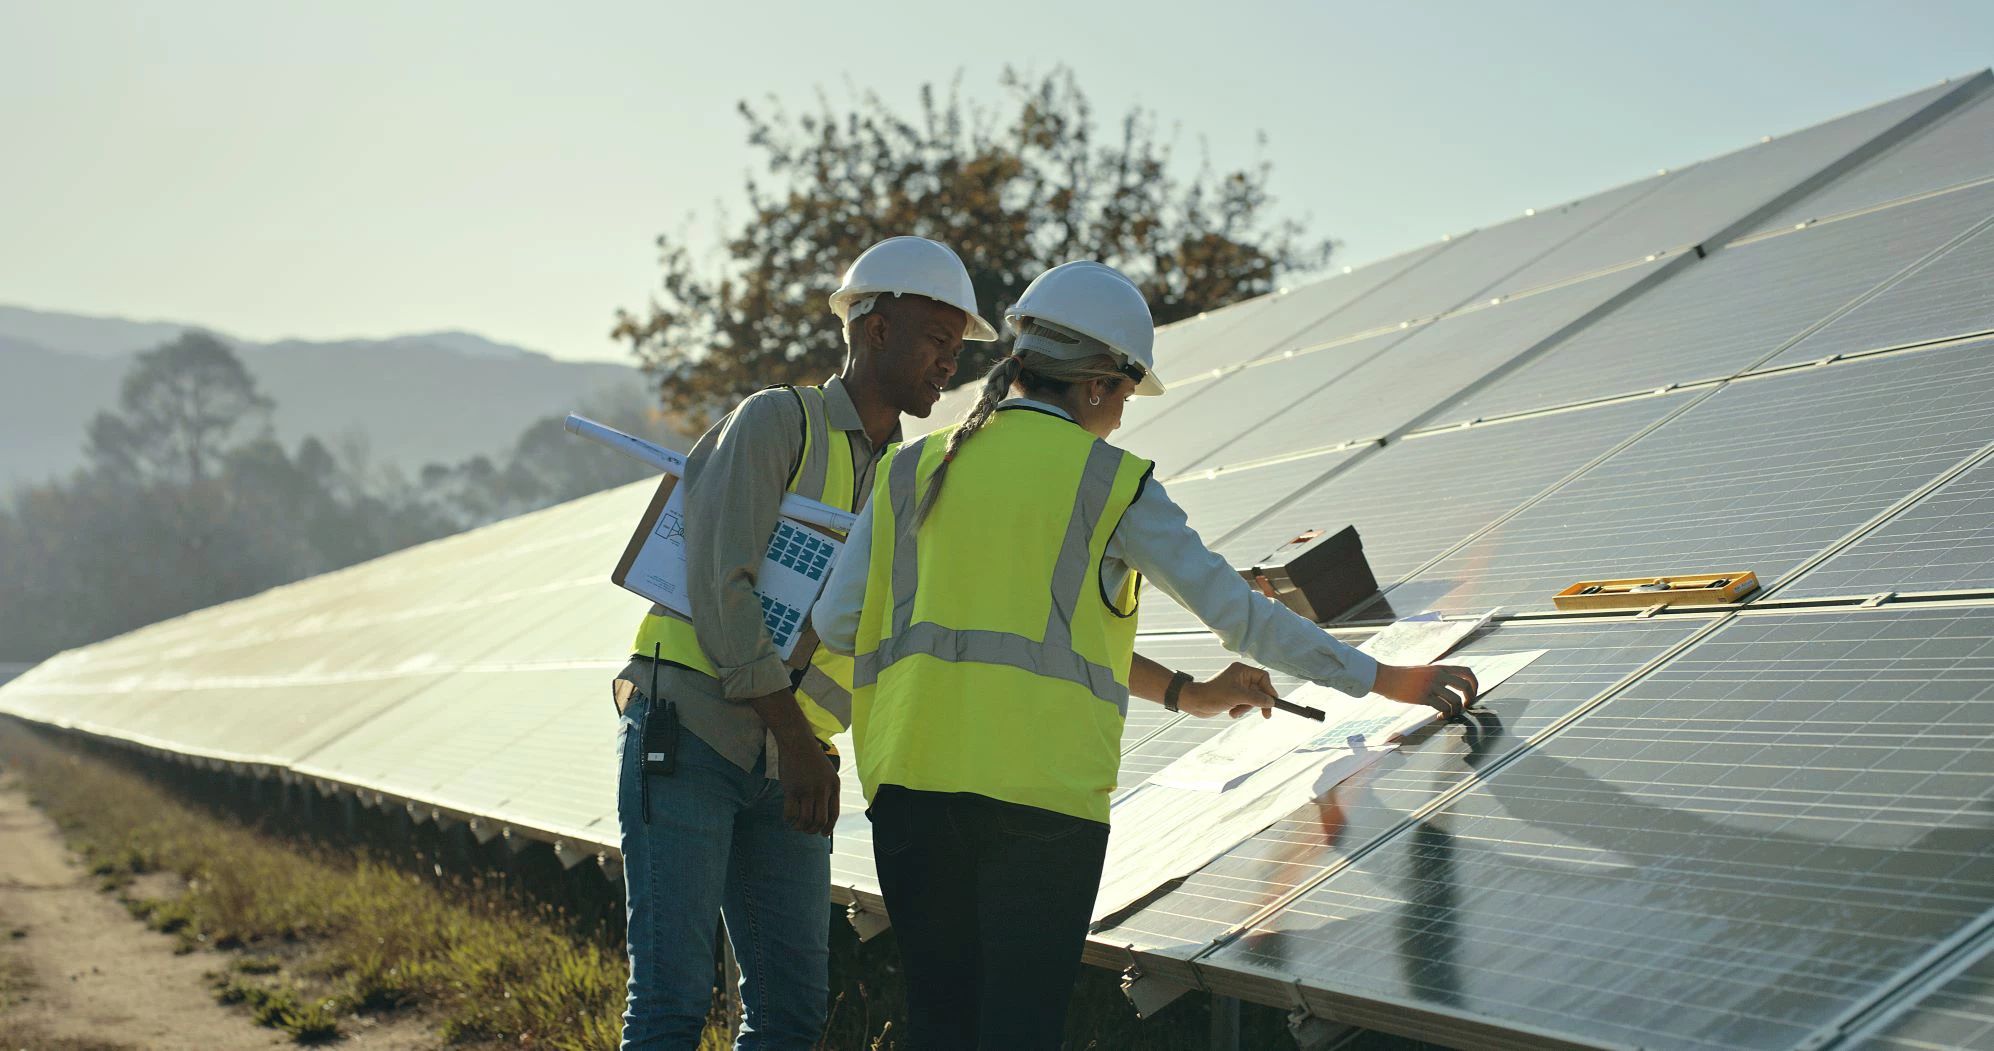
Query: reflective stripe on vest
{"x": 1052, "y": 657}
{"x": 823, "y": 473}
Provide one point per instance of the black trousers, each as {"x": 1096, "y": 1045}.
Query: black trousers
{"x": 990, "y": 903}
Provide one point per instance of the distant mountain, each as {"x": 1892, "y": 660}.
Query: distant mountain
{"x": 434, "y": 398}
{"x": 78, "y": 334}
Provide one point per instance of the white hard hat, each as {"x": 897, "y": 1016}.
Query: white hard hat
{"x": 1097, "y": 302}
{"x": 910, "y": 266}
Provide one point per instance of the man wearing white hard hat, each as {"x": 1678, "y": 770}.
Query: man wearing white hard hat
{"x": 729, "y": 786}
{"x": 994, "y": 631}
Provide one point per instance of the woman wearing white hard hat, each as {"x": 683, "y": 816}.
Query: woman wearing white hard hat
{"x": 989, "y": 597}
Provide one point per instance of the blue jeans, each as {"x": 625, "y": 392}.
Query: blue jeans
{"x": 716, "y": 843}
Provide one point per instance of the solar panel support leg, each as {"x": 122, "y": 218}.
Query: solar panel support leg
{"x": 1225, "y": 1023}
{"x": 570, "y": 854}
{"x": 1149, "y": 995}
{"x": 1316, "y": 1034}
{"x": 866, "y": 922}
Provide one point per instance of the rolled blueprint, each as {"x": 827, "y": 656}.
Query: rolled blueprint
{"x": 672, "y": 462}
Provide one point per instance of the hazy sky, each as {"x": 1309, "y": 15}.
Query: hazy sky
{"x": 371, "y": 168}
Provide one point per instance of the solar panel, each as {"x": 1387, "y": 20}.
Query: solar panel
{"x": 498, "y": 743}
{"x": 1718, "y": 316}
{"x": 1720, "y": 198}
{"x": 1762, "y": 476}
{"x": 1286, "y": 315}
{"x": 1463, "y": 270}
{"x": 1944, "y": 542}
{"x": 1739, "y": 847}
{"x": 1183, "y": 433}
{"x": 1427, "y": 368}
{"x": 270, "y": 687}
{"x": 1414, "y": 499}
{"x": 1958, "y": 1016}
{"x": 1584, "y": 661}
{"x": 1956, "y": 149}
{"x": 1187, "y": 350}
{"x": 1952, "y": 295}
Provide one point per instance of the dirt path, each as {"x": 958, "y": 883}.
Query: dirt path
{"x": 78, "y": 973}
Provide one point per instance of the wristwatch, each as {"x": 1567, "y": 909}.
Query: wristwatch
{"x": 1177, "y": 681}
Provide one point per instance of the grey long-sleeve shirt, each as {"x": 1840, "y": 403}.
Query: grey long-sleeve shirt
{"x": 734, "y": 481}
{"x": 1155, "y": 539}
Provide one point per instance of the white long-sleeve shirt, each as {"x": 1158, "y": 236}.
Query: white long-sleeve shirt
{"x": 1154, "y": 538}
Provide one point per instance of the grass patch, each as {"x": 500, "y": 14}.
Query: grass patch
{"x": 487, "y": 965}
{"x": 360, "y": 935}
{"x": 309, "y": 1021}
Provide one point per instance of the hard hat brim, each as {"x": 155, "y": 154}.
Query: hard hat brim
{"x": 979, "y": 330}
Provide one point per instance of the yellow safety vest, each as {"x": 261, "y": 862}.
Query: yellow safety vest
{"x": 990, "y": 660}
{"x": 824, "y": 474}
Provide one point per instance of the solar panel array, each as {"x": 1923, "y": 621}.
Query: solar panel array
{"x": 1760, "y": 826}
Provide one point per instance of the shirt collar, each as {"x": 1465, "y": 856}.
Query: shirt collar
{"x": 1034, "y": 403}
{"x": 841, "y": 415}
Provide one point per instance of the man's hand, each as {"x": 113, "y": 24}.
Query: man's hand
{"x": 1449, "y": 688}
{"x": 809, "y": 788}
{"x": 1233, "y": 692}
{"x": 809, "y": 781}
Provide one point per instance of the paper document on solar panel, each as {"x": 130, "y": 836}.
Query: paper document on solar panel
{"x": 793, "y": 572}
{"x": 1247, "y": 746}
{"x": 1164, "y": 832}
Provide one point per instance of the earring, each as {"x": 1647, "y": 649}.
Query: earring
{"x": 1095, "y": 400}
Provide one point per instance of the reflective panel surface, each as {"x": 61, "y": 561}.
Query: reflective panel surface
{"x": 1944, "y": 542}
{"x": 1719, "y": 316}
{"x": 1959, "y": 1015}
{"x": 1584, "y": 661}
{"x": 1955, "y": 149}
{"x": 1411, "y": 379}
{"x": 1728, "y": 854}
{"x": 1761, "y": 476}
{"x": 1414, "y": 499}
{"x": 1698, "y": 204}
{"x": 1952, "y": 295}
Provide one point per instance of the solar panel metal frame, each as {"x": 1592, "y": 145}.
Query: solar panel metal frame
{"x": 1966, "y": 980}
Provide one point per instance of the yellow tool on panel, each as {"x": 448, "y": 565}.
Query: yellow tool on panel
{"x": 1699, "y": 589}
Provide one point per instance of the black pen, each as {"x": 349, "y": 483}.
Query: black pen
{"x": 1302, "y": 710}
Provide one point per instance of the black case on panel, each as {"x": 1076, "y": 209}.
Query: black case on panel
{"x": 1319, "y": 575}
